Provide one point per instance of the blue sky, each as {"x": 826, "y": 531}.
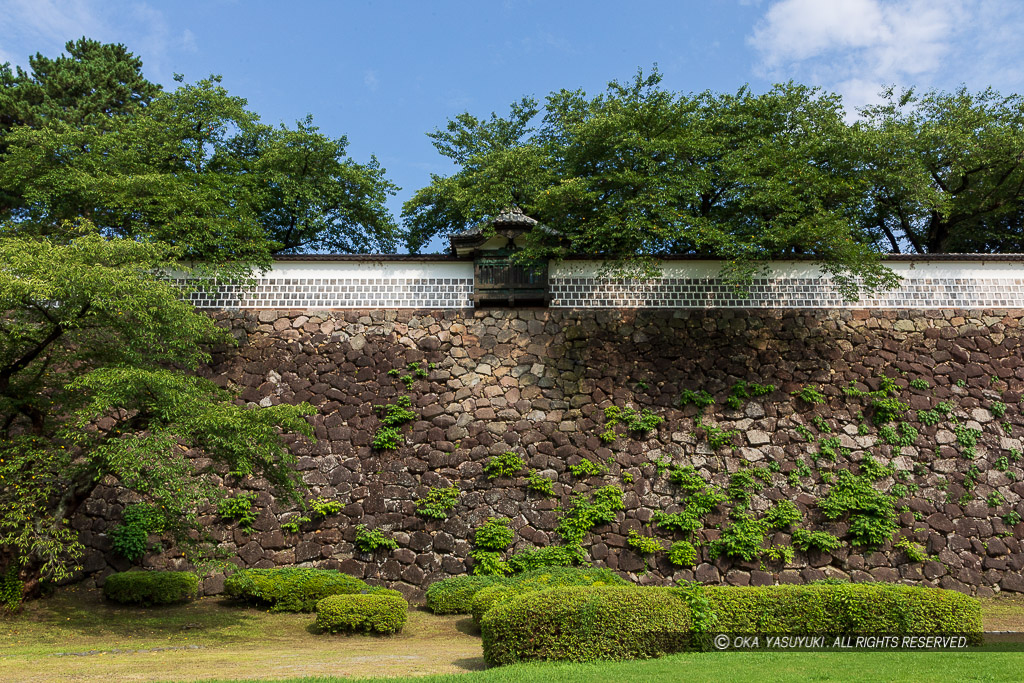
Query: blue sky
{"x": 385, "y": 73}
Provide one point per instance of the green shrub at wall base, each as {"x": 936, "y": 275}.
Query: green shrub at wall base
{"x": 291, "y": 589}
{"x": 151, "y": 588}
{"x": 487, "y": 598}
{"x": 377, "y": 612}
{"x": 455, "y": 595}
{"x": 876, "y": 608}
{"x": 538, "y": 580}
{"x": 582, "y": 624}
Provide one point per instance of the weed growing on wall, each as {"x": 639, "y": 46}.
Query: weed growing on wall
{"x": 742, "y": 391}
{"x": 438, "y": 502}
{"x": 392, "y": 416}
{"x": 489, "y": 541}
{"x": 584, "y": 514}
{"x": 781, "y": 515}
{"x": 809, "y": 395}
{"x": 538, "y": 484}
{"x": 238, "y": 509}
{"x": 742, "y": 539}
{"x": 871, "y": 513}
{"x": 682, "y": 554}
{"x": 819, "y": 540}
{"x": 371, "y": 540}
{"x": 643, "y": 545}
{"x": 508, "y": 464}
{"x": 701, "y": 399}
{"x": 636, "y": 422}
{"x": 130, "y": 538}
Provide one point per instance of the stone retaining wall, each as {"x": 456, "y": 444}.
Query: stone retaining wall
{"x": 537, "y": 382}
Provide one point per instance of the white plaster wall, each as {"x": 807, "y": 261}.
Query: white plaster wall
{"x": 368, "y": 269}
{"x": 802, "y": 269}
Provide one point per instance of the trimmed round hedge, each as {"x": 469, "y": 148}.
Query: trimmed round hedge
{"x": 540, "y": 579}
{"x": 455, "y": 595}
{"x": 585, "y": 623}
{"x": 151, "y": 587}
{"x": 383, "y": 611}
{"x": 291, "y": 589}
{"x": 882, "y": 608}
{"x": 589, "y": 623}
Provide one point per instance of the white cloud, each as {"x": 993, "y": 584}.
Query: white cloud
{"x": 188, "y": 41}
{"x": 857, "y": 46}
{"x": 370, "y": 80}
{"x": 45, "y": 26}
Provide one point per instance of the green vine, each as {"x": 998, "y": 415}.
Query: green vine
{"x": 239, "y": 509}
{"x": 508, "y": 464}
{"x": 438, "y": 502}
{"x": 644, "y": 545}
{"x": 542, "y": 485}
{"x": 636, "y": 422}
{"x": 371, "y": 540}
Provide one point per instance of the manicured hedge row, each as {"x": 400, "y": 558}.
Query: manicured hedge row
{"x": 151, "y": 587}
{"x": 540, "y": 579}
{"x": 581, "y": 624}
{"x": 843, "y": 608}
{"x": 455, "y": 595}
{"x": 291, "y": 589}
{"x": 383, "y": 611}
{"x": 588, "y": 623}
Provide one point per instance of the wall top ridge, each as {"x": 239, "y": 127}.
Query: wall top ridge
{"x": 966, "y": 281}
{"x": 446, "y": 257}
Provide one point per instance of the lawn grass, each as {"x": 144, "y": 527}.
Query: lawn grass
{"x": 76, "y": 635}
{"x": 758, "y": 667}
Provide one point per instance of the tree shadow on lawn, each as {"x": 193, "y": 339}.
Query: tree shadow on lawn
{"x": 467, "y": 626}
{"x": 85, "y": 615}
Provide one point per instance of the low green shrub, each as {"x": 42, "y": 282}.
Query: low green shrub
{"x": 455, "y": 595}
{"x": 877, "y": 608}
{"x": 486, "y": 598}
{"x": 151, "y": 587}
{"x": 376, "y": 612}
{"x": 537, "y": 580}
{"x": 585, "y": 623}
{"x": 291, "y": 589}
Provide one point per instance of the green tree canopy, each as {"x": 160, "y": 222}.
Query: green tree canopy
{"x": 193, "y": 167}
{"x": 93, "y": 345}
{"x": 946, "y": 171}
{"x": 639, "y": 172}
{"x": 109, "y": 184}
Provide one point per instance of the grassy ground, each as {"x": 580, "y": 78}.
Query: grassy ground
{"x": 740, "y": 667}
{"x": 76, "y": 636}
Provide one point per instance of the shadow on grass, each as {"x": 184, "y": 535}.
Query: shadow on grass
{"x": 87, "y": 613}
{"x": 470, "y": 663}
{"x": 467, "y": 626}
